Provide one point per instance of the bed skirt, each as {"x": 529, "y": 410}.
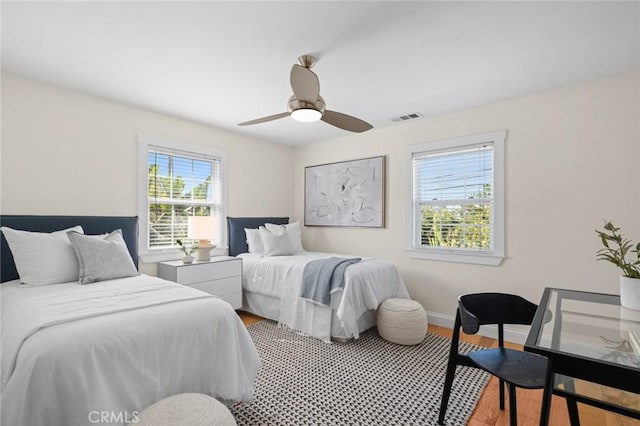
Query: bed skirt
{"x": 269, "y": 307}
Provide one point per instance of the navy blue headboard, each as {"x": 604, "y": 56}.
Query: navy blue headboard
{"x": 91, "y": 225}
{"x": 235, "y": 230}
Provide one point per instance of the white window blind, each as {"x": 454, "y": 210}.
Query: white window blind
{"x": 180, "y": 184}
{"x": 453, "y": 198}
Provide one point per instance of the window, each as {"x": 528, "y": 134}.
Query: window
{"x": 175, "y": 182}
{"x": 456, "y": 197}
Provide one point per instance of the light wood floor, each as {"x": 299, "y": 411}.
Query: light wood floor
{"x": 487, "y": 411}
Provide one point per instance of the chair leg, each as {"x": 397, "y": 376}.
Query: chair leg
{"x": 446, "y": 391}
{"x": 501, "y": 394}
{"x": 572, "y": 407}
{"x": 451, "y": 369}
{"x": 513, "y": 414}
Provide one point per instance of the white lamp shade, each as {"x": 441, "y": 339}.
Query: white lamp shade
{"x": 202, "y": 227}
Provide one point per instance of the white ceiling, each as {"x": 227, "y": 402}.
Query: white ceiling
{"x": 222, "y": 63}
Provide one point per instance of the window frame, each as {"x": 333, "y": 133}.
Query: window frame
{"x": 460, "y": 255}
{"x": 146, "y": 254}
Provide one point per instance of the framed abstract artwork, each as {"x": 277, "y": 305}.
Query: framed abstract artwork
{"x": 347, "y": 193}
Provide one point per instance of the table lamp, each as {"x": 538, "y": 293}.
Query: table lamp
{"x": 203, "y": 229}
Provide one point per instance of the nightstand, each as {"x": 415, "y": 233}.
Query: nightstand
{"x": 220, "y": 276}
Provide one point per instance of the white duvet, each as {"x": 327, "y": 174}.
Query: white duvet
{"x": 367, "y": 284}
{"x": 70, "y": 351}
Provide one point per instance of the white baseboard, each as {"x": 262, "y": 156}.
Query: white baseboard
{"x": 442, "y": 320}
{"x": 510, "y": 335}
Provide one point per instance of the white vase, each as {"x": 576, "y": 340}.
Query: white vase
{"x": 630, "y": 293}
{"x": 187, "y": 259}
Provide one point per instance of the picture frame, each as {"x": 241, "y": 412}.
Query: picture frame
{"x": 346, "y": 193}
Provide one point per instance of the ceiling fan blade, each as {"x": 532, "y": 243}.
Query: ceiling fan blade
{"x": 264, "y": 119}
{"x": 305, "y": 84}
{"x": 346, "y": 122}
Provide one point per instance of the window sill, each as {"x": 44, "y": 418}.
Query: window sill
{"x": 160, "y": 256}
{"x": 164, "y": 255}
{"x": 451, "y": 256}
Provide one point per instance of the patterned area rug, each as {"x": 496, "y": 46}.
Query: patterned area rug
{"x": 367, "y": 381}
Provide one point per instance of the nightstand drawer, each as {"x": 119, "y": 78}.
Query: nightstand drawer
{"x": 209, "y": 271}
{"x": 221, "y": 277}
{"x": 220, "y": 287}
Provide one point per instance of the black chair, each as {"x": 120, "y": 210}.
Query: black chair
{"x": 515, "y": 368}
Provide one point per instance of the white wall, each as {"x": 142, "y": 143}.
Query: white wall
{"x": 571, "y": 160}
{"x": 67, "y": 153}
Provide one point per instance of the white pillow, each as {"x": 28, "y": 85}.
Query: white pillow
{"x": 254, "y": 241}
{"x": 293, "y": 231}
{"x": 42, "y": 258}
{"x": 275, "y": 244}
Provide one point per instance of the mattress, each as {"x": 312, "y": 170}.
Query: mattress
{"x": 70, "y": 350}
{"x": 367, "y": 284}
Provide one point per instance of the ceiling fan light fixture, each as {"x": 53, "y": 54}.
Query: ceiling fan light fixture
{"x": 306, "y": 115}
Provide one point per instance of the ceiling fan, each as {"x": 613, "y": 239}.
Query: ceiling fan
{"x": 307, "y": 105}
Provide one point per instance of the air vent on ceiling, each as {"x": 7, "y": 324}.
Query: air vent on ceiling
{"x": 406, "y": 117}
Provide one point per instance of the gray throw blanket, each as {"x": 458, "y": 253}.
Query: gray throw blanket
{"x": 322, "y": 277}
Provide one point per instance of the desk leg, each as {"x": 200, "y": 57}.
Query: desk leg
{"x": 546, "y": 396}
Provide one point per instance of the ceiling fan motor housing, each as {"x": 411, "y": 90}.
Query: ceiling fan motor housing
{"x": 296, "y": 104}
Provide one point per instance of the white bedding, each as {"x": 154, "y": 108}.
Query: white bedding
{"x": 367, "y": 284}
{"x": 116, "y": 346}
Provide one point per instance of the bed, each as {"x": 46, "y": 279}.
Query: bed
{"x": 74, "y": 353}
{"x": 272, "y": 284}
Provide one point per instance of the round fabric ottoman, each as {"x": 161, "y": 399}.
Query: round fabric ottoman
{"x": 402, "y": 321}
{"x": 186, "y": 409}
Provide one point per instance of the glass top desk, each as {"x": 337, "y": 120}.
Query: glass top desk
{"x": 588, "y": 338}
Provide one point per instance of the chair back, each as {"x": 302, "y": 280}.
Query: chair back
{"x": 493, "y": 308}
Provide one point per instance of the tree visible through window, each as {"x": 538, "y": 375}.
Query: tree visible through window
{"x": 180, "y": 185}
